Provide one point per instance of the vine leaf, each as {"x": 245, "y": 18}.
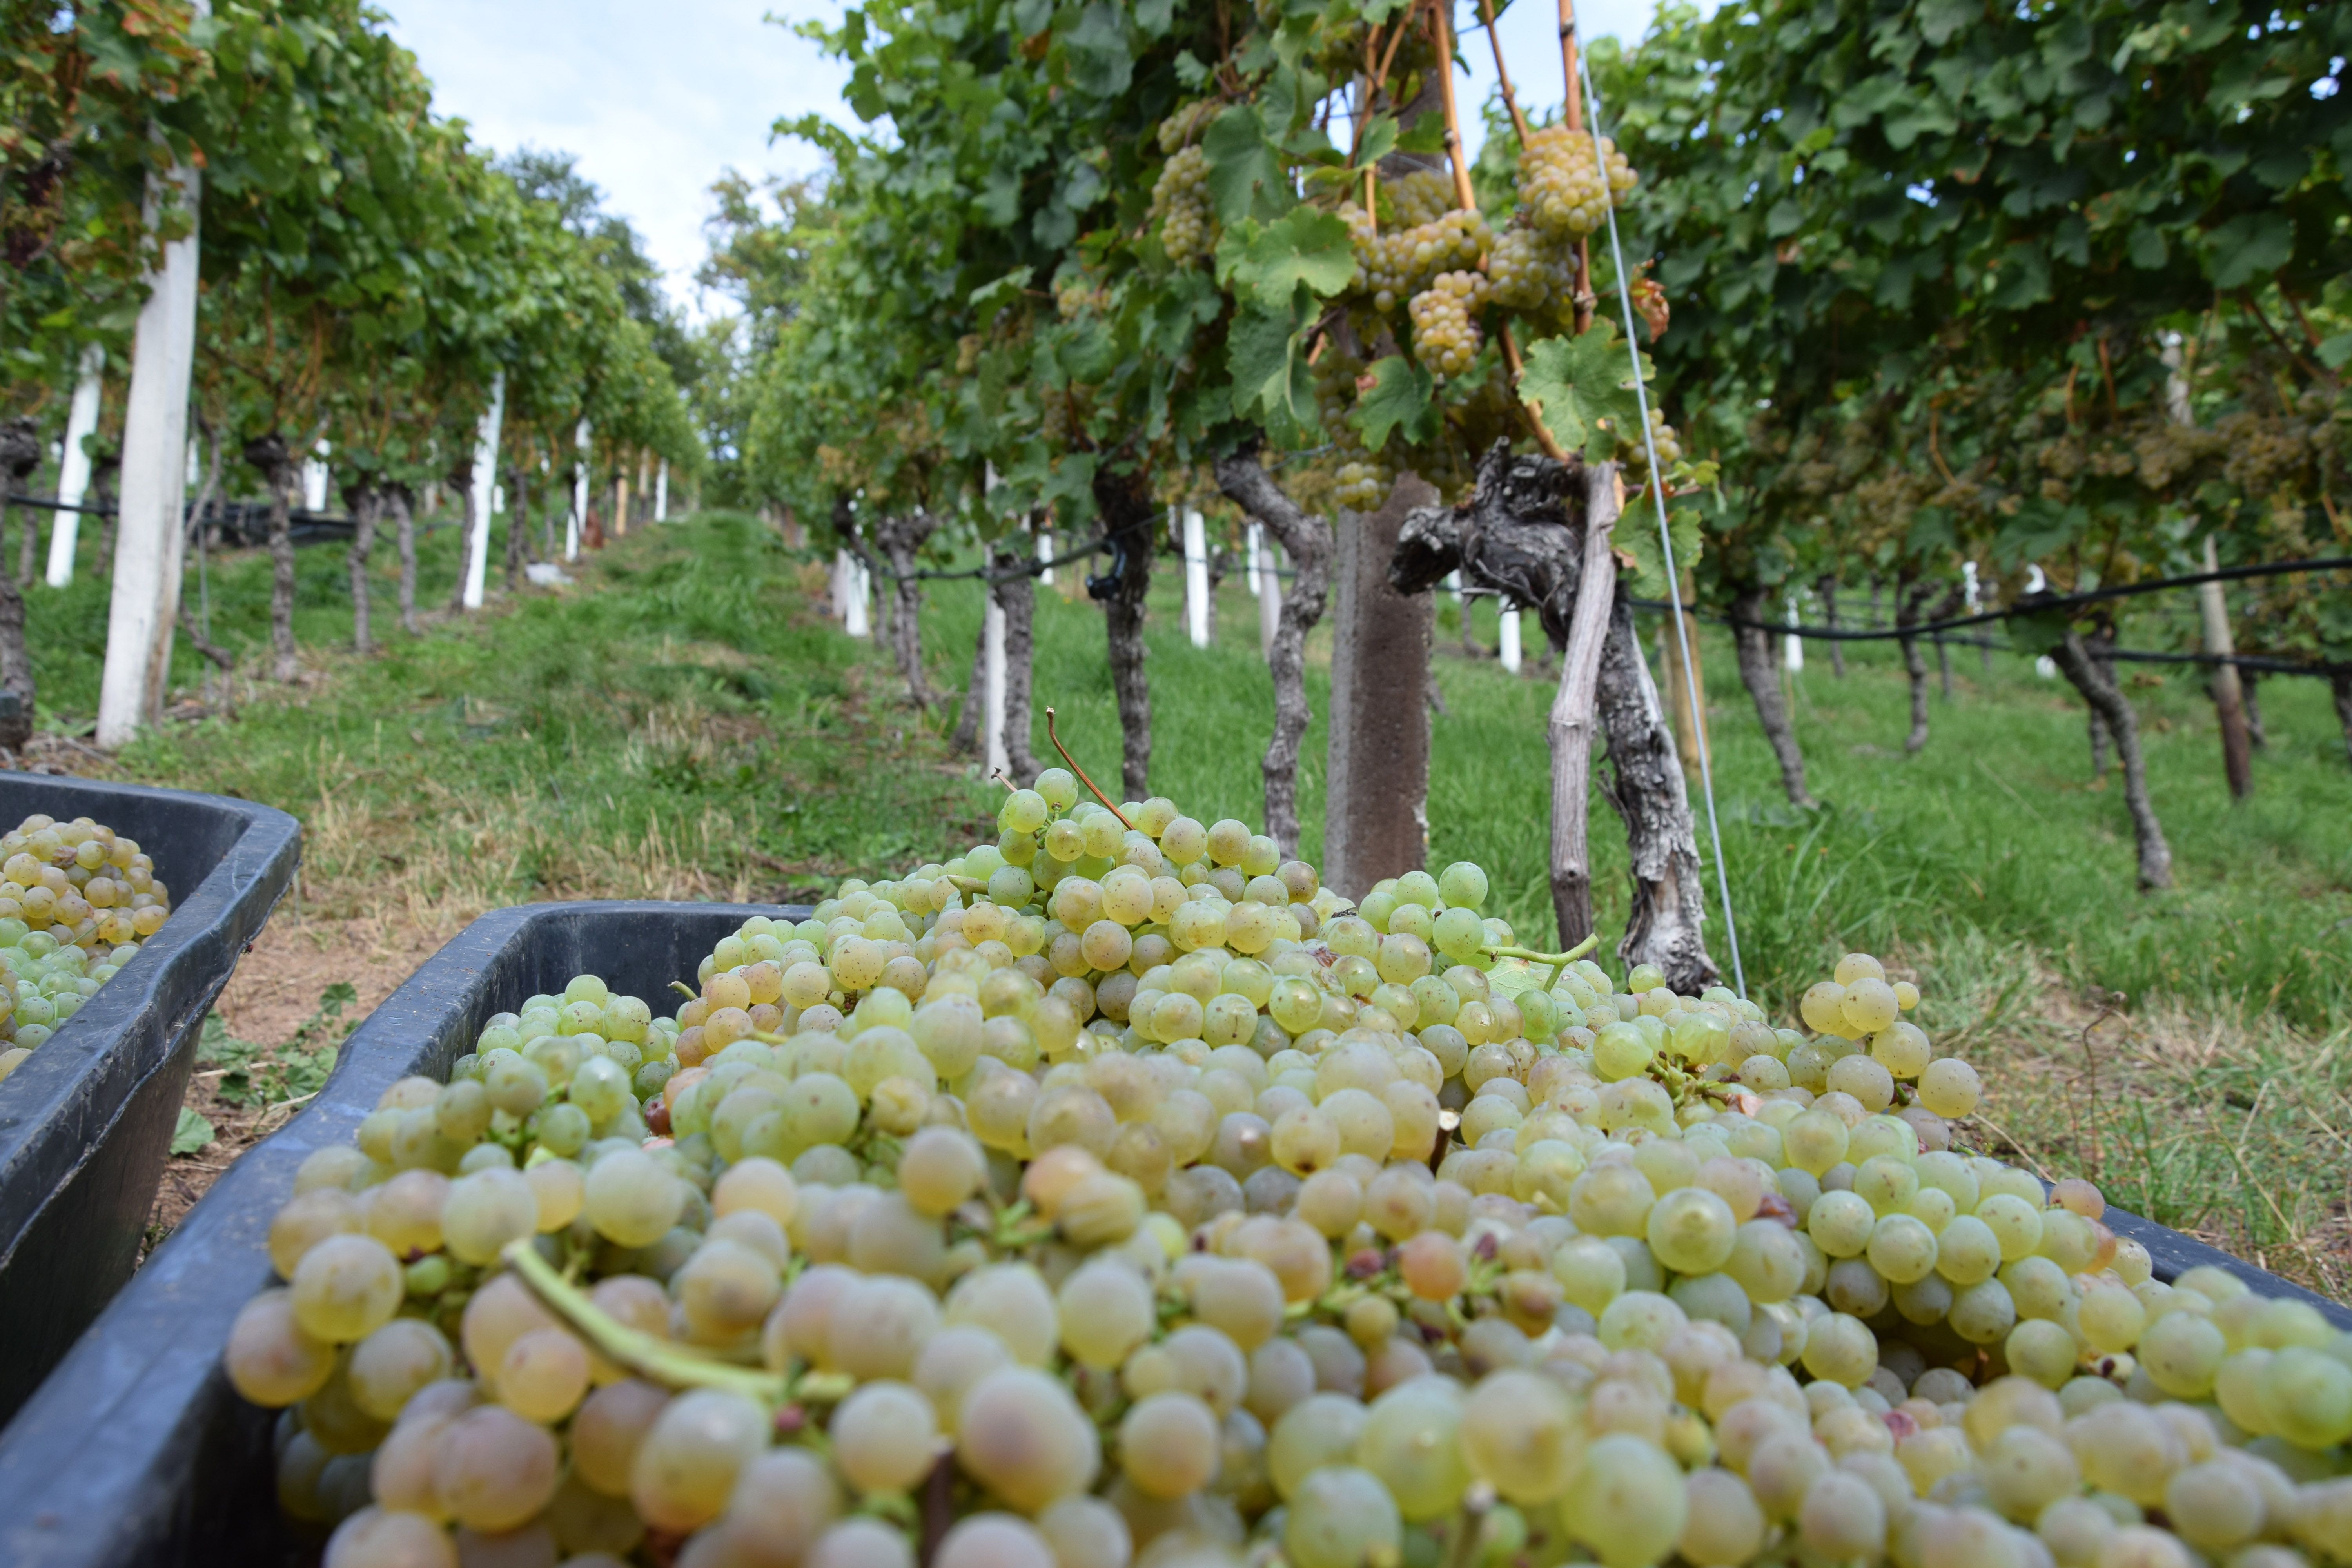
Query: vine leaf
{"x": 1241, "y": 163}
{"x": 1266, "y": 356}
{"x": 1583, "y": 388}
{"x": 1401, "y": 395}
{"x": 1636, "y": 539}
{"x": 1303, "y": 245}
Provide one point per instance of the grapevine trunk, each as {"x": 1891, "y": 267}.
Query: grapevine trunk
{"x": 1753, "y": 645}
{"x": 2077, "y": 658}
{"x": 1123, "y": 496}
{"x": 1247, "y": 485}
{"x": 1666, "y": 924}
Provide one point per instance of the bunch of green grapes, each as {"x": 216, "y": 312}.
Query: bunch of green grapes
{"x": 1185, "y": 125}
{"x": 1636, "y": 457}
{"x": 1421, "y": 197}
{"x": 1564, "y": 190}
{"x": 1180, "y": 207}
{"x": 1445, "y": 335}
{"x": 1359, "y": 479}
{"x": 1076, "y": 294}
{"x": 1131, "y": 1198}
{"x": 1397, "y": 265}
{"x": 1528, "y": 272}
{"x": 77, "y": 901}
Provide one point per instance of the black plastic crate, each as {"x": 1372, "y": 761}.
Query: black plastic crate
{"x": 85, "y": 1121}
{"x": 136, "y": 1450}
{"x": 137, "y": 1453}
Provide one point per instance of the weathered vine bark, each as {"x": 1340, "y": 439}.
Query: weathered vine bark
{"x": 965, "y": 741}
{"x": 2340, "y": 684}
{"x": 2228, "y": 692}
{"x": 20, "y": 454}
{"x": 102, "y": 471}
{"x": 901, "y": 536}
{"x": 461, "y": 480}
{"x": 1907, "y": 602}
{"x": 271, "y": 455}
{"x": 1523, "y": 534}
{"x": 403, "y": 515}
{"x": 1667, "y": 925}
{"x": 518, "y": 526}
{"x": 1017, "y": 597}
{"x": 1123, "y": 496}
{"x": 15, "y": 668}
{"x": 2248, "y": 683}
{"x": 1753, "y": 645}
{"x": 1825, "y": 586}
{"x": 2077, "y": 658}
{"x": 1245, "y": 483}
{"x": 1376, "y": 772}
{"x": 2097, "y": 728}
{"x": 366, "y": 502}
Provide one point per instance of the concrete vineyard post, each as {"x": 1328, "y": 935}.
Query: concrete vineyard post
{"x": 1792, "y": 650}
{"x": 1045, "y": 553}
{"x": 1375, "y": 808}
{"x": 1196, "y": 579}
{"x": 992, "y": 753}
{"x": 1269, "y": 598}
{"x": 485, "y": 474}
{"x": 144, "y": 610}
{"x": 661, "y": 492}
{"x": 315, "y": 476}
{"x": 578, "y": 494}
{"x": 73, "y": 465}
{"x": 1507, "y": 621}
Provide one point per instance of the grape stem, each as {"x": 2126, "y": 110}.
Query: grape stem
{"x": 1558, "y": 960}
{"x": 674, "y": 1366}
{"x": 1081, "y": 772}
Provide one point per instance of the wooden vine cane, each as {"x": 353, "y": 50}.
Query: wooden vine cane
{"x": 1441, "y": 36}
{"x": 1575, "y": 117}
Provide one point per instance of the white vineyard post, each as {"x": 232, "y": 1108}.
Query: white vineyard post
{"x": 1793, "y": 653}
{"x": 661, "y": 492}
{"x": 73, "y": 465}
{"x": 1507, "y": 620}
{"x": 144, "y": 610}
{"x": 486, "y": 487}
{"x": 1196, "y": 579}
{"x": 578, "y": 494}
{"x": 993, "y": 688}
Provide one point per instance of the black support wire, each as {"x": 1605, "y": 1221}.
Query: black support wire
{"x": 2036, "y": 603}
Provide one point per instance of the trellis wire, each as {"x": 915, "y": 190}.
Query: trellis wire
{"x": 1666, "y": 539}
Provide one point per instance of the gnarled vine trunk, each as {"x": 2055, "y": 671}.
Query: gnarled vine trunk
{"x": 21, "y": 441}
{"x": 1908, "y": 598}
{"x": 2078, "y": 659}
{"x": 1524, "y": 533}
{"x": 1753, "y": 645}
{"x": 1245, "y": 483}
{"x": 2340, "y": 684}
{"x": 271, "y": 455}
{"x": 901, "y": 537}
{"x": 403, "y": 515}
{"x": 518, "y": 526}
{"x": 1667, "y": 925}
{"x": 20, "y": 453}
{"x": 1123, "y": 497}
{"x": 366, "y": 502}
{"x": 1825, "y": 588}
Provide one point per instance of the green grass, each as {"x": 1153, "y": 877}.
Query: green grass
{"x": 684, "y": 724}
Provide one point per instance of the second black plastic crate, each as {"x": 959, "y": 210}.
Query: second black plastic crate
{"x": 86, "y": 1121}
{"x": 136, "y": 1450}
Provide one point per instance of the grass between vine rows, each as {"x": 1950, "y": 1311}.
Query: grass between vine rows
{"x": 684, "y": 723}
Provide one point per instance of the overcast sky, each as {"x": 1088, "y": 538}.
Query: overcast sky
{"x": 657, "y": 100}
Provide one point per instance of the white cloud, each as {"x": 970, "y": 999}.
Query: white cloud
{"x": 656, "y": 99}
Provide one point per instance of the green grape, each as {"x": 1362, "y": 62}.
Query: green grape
{"x": 1341, "y": 1517}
